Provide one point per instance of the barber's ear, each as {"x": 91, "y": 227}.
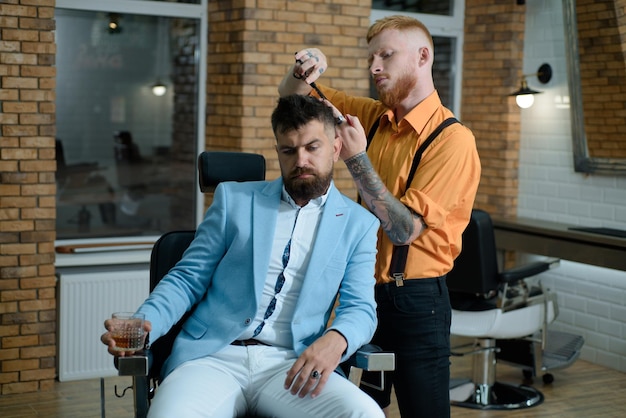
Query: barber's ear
{"x": 424, "y": 55}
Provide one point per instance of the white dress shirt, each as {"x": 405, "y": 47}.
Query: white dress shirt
{"x": 300, "y": 225}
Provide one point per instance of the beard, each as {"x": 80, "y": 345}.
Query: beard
{"x": 399, "y": 91}
{"x": 307, "y": 189}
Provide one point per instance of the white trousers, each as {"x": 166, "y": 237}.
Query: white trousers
{"x": 239, "y": 380}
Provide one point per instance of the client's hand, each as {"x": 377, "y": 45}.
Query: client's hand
{"x": 315, "y": 365}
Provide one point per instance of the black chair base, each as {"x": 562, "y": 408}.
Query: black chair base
{"x": 501, "y": 396}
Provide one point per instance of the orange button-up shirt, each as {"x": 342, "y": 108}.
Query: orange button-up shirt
{"x": 443, "y": 188}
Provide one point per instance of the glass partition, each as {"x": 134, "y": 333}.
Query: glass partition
{"x": 127, "y": 117}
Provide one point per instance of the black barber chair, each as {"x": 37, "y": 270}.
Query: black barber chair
{"x": 488, "y": 306}
{"x": 145, "y": 366}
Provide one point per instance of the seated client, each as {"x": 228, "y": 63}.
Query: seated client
{"x": 263, "y": 273}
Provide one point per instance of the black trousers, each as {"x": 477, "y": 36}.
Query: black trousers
{"x": 414, "y": 323}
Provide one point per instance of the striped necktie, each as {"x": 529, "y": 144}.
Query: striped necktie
{"x": 280, "y": 281}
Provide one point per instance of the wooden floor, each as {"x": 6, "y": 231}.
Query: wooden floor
{"x": 76, "y": 399}
{"x": 582, "y": 390}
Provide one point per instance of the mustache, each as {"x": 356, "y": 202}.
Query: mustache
{"x": 300, "y": 171}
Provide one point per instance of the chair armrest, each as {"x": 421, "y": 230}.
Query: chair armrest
{"x": 136, "y": 365}
{"x": 518, "y": 273}
{"x": 371, "y": 358}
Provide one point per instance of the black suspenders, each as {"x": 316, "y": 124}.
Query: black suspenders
{"x": 400, "y": 252}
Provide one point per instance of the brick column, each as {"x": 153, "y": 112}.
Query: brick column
{"x": 493, "y": 56}
{"x": 27, "y": 196}
{"x": 250, "y": 49}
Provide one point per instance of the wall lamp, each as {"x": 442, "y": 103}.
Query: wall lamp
{"x": 158, "y": 88}
{"x": 524, "y": 97}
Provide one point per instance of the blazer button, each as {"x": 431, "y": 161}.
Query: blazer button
{"x": 247, "y": 321}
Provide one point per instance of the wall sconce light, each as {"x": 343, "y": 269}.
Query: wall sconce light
{"x": 158, "y": 88}
{"x": 114, "y": 23}
{"x": 524, "y": 97}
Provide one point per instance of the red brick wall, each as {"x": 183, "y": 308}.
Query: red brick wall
{"x": 27, "y": 196}
{"x": 492, "y": 69}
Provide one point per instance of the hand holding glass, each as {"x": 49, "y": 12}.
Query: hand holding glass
{"x": 127, "y": 331}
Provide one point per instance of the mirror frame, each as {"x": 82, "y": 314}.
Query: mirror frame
{"x": 583, "y": 161}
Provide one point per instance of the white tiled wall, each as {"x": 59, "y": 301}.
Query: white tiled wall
{"x": 592, "y": 300}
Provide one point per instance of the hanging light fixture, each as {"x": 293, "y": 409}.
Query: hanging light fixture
{"x": 525, "y": 96}
{"x": 114, "y": 23}
{"x": 159, "y": 88}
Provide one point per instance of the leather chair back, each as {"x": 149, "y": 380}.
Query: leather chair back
{"x": 475, "y": 270}
{"x": 167, "y": 250}
{"x": 214, "y": 167}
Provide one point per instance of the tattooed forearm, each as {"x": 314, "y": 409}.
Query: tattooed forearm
{"x": 396, "y": 219}
{"x": 365, "y": 176}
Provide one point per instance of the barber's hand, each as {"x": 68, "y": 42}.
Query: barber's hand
{"x": 351, "y": 133}
{"x": 310, "y": 65}
{"x": 323, "y": 357}
{"x": 107, "y": 339}
{"x": 353, "y": 138}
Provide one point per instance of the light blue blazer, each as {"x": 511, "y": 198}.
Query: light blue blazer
{"x": 225, "y": 267}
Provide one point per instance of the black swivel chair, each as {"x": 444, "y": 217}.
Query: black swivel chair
{"x": 145, "y": 367}
{"x": 492, "y": 306}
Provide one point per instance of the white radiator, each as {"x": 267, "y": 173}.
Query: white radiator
{"x": 85, "y": 299}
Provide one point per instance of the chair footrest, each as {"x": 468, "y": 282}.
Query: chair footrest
{"x": 562, "y": 350}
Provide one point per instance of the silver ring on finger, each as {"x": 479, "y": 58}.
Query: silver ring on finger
{"x": 315, "y": 375}
{"x": 340, "y": 119}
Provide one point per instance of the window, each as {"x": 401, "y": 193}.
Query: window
{"x": 444, "y": 20}
{"x": 178, "y": 1}
{"x": 128, "y": 122}
{"x": 435, "y": 7}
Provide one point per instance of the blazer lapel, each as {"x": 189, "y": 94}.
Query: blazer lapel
{"x": 265, "y": 203}
{"x": 332, "y": 224}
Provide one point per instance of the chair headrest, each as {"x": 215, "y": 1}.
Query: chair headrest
{"x": 215, "y": 167}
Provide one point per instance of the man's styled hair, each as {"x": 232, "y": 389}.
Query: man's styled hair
{"x": 400, "y": 23}
{"x": 295, "y": 111}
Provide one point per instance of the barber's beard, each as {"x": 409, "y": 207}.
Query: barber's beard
{"x": 400, "y": 90}
{"x": 307, "y": 189}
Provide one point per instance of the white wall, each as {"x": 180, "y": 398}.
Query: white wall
{"x": 592, "y": 300}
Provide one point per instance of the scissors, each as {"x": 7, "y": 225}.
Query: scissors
{"x": 317, "y": 89}
{"x": 340, "y": 119}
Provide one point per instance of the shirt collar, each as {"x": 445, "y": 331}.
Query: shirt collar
{"x": 419, "y": 116}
